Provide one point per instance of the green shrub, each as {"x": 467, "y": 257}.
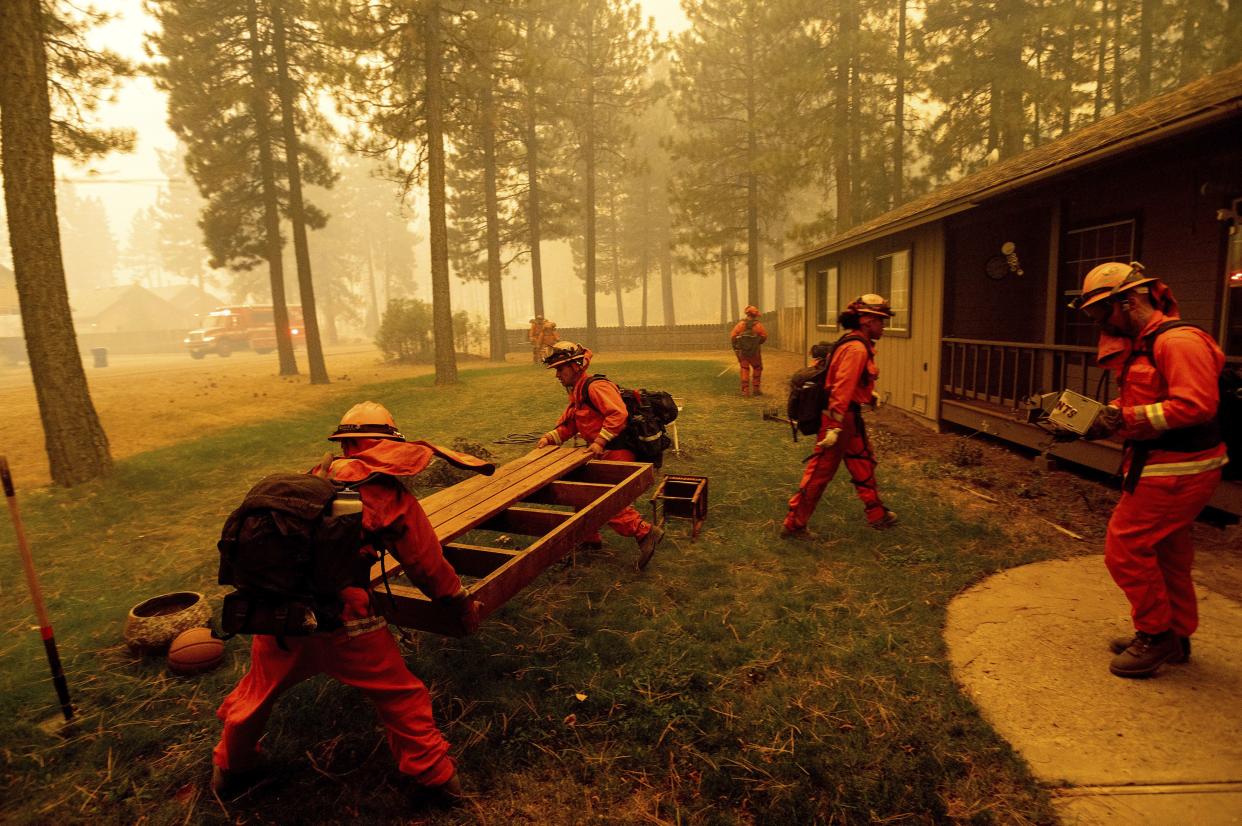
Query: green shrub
{"x": 405, "y": 331}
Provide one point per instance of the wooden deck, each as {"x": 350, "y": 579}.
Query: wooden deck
{"x": 499, "y": 532}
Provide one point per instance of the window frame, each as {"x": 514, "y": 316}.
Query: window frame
{"x": 893, "y": 329}
{"x": 825, "y": 315}
{"x": 1072, "y": 327}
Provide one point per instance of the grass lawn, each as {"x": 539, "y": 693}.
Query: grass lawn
{"x": 740, "y": 679}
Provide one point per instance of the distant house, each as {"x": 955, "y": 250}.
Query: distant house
{"x": 980, "y": 270}
{"x": 192, "y": 303}
{"x": 129, "y": 309}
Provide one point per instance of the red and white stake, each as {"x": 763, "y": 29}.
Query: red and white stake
{"x": 45, "y": 625}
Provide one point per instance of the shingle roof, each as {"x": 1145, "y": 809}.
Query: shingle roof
{"x": 1207, "y": 100}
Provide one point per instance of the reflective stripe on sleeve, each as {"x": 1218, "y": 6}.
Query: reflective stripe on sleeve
{"x": 1155, "y": 415}
{"x": 606, "y": 434}
{"x": 554, "y": 437}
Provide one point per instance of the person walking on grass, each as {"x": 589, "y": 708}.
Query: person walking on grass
{"x": 747, "y": 338}
{"x": 597, "y": 413}
{"x": 850, "y": 383}
{"x": 1168, "y": 373}
{"x": 360, "y": 651}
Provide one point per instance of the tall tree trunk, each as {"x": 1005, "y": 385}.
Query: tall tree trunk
{"x": 1118, "y": 68}
{"x": 1067, "y": 91}
{"x": 848, "y": 24}
{"x": 297, "y": 210}
{"x": 1146, "y": 13}
{"x": 899, "y": 109}
{"x": 1187, "y": 62}
{"x": 271, "y": 204}
{"x": 644, "y": 264}
{"x": 1231, "y": 44}
{"x": 666, "y": 285}
{"x": 1101, "y": 51}
{"x": 441, "y": 307}
{"x": 588, "y": 149}
{"x": 724, "y": 285}
{"x": 495, "y": 293}
{"x": 532, "y": 202}
{"x": 752, "y": 167}
{"x": 76, "y": 445}
{"x": 734, "y": 303}
{"x": 1007, "y": 34}
{"x": 372, "y": 321}
{"x": 615, "y": 242}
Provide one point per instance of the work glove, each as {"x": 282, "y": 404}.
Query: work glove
{"x": 467, "y": 609}
{"x": 830, "y": 438}
{"x": 596, "y": 448}
{"x": 1106, "y": 424}
{"x": 544, "y": 441}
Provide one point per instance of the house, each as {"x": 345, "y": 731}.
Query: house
{"x": 129, "y": 309}
{"x": 980, "y": 271}
{"x": 192, "y": 303}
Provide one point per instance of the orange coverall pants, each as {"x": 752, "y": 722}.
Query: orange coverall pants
{"x": 855, "y": 449}
{"x": 628, "y": 522}
{"x": 1149, "y": 553}
{"x": 371, "y": 662}
{"x": 751, "y": 368}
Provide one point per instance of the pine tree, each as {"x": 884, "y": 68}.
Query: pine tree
{"x": 607, "y": 48}
{"x": 30, "y": 133}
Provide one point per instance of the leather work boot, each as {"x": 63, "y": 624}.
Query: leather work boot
{"x": 888, "y": 520}
{"x": 1145, "y": 654}
{"x": 231, "y": 783}
{"x": 1119, "y": 644}
{"x": 647, "y": 545}
{"x": 447, "y": 795}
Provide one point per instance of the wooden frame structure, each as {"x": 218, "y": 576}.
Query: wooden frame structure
{"x": 684, "y": 497}
{"x": 554, "y": 496}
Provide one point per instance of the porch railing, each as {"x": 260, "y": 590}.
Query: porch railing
{"x": 1005, "y": 372}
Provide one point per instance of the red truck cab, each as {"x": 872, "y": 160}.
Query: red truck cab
{"x": 243, "y": 327}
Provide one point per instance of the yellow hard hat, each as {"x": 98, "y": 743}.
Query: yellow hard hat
{"x": 1108, "y": 280}
{"x": 367, "y": 420}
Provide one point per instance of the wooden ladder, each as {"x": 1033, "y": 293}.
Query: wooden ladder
{"x": 555, "y": 497}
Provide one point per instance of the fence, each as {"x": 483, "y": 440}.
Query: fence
{"x": 783, "y": 327}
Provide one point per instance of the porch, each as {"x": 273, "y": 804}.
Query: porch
{"x": 983, "y": 383}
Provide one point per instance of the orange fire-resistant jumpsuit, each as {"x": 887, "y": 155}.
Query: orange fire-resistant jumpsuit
{"x": 1168, "y": 402}
{"x": 747, "y": 364}
{"x": 542, "y": 335}
{"x": 850, "y": 383}
{"x": 605, "y": 416}
{"x": 363, "y": 652}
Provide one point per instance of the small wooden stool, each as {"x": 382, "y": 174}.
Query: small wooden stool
{"x": 684, "y": 497}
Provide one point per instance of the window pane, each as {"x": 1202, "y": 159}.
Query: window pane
{"x": 827, "y": 305}
{"x": 892, "y": 280}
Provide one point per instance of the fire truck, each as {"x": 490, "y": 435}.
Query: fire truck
{"x": 247, "y": 327}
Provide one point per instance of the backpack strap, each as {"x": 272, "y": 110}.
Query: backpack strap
{"x": 1190, "y": 439}
{"x": 586, "y": 386}
{"x": 856, "y": 336}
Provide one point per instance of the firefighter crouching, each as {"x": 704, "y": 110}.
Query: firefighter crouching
{"x": 1168, "y": 379}
{"x": 747, "y": 337}
{"x": 362, "y": 652}
{"x": 598, "y": 421}
{"x": 850, "y": 383}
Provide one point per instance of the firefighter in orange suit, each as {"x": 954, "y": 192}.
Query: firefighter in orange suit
{"x": 535, "y": 337}
{"x": 747, "y": 338}
{"x": 599, "y": 422}
{"x": 361, "y": 652}
{"x": 850, "y": 383}
{"x": 1168, "y": 378}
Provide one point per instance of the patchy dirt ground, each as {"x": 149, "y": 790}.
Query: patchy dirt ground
{"x": 147, "y": 402}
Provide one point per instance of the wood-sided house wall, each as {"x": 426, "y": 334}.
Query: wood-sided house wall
{"x": 908, "y": 353}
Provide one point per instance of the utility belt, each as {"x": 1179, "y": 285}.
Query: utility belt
{"x": 1193, "y": 439}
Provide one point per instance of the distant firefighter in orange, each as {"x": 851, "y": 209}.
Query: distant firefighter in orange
{"x": 542, "y": 335}
{"x": 747, "y": 338}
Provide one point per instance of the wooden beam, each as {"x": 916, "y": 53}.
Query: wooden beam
{"x": 527, "y": 521}
{"x": 603, "y": 472}
{"x": 476, "y": 560}
{"x": 575, "y": 494}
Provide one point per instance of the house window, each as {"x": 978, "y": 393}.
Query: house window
{"x": 892, "y": 280}
{"x": 827, "y": 300}
{"x": 1084, "y": 248}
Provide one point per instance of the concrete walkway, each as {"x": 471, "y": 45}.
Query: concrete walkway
{"x": 1030, "y": 647}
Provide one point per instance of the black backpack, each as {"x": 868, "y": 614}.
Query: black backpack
{"x": 808, "y": 395}
{"x": 1228, "y": 412}
{"x": 747, "y": 342}
{"x": 649, "y": 411}
{"x": 289, "y": 557}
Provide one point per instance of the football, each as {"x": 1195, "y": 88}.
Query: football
{"x": 195, "y": 651}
